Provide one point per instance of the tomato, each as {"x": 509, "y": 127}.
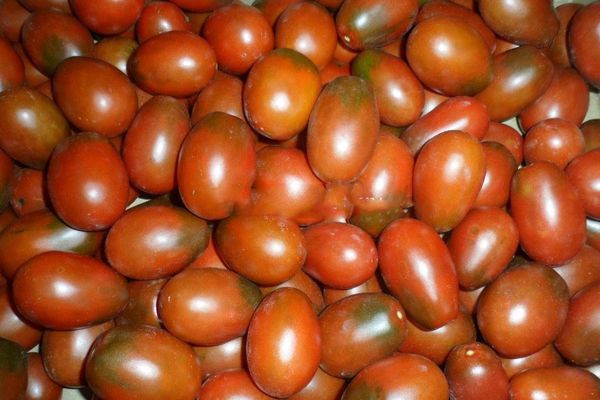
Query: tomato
{"x": 581, "y": 270}
{"x": 500, "y": 166}
{"x": 508, "y": 137}
{"x": 554, "y": 383}
{"x": 231, "y": 385}
{"x": 322, "y": 386}
{"x": 12, "y": 16}
{"x": 546, "y": 357}
{"x": 12, "y": 72}
{"x": 12, "y": 325}
{"x": 372, "y": 285}
{"x": 591, "y": 133}
{"x": 33, "y": 77}
{"x": 142, "y": 305}
{"x": 130, "y": 361}
{"x": 554, "y": 140}
{"x": 116, "y": 51}
{"x": 223, "y": 93}
{"x": 41, "y": 5}
{"x": 39, "y": 384}
{"x": 28, "y": 193}
{"x": 200, "y": 6}
{"x": 159, "y": 17}
{"x": 107, "y": 17}
{"x": 468, "y": 299}
{"x": 13, "y": 370}
{"x": 582, "y": 42}
{"x": 222, "y": 357}
{"x": 304, "y": 283}
{"x": 283, "y": 348}
{"x": 272, "y": 9}
{"x": 584, "y": 174}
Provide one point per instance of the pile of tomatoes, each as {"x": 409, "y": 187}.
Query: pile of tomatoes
{"x": 205, "y": 199}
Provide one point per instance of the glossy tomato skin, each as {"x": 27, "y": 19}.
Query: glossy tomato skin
{"x": 272, "y": 9}
{"x": 177, "y": 63}
{"x": 142, "y": 305}
{"x": 94, "y": 95}
{"x": 455, "y": 161}
{"x": 286, "y": 321}
{"x": 39, "y": 232}
{"x": 12, "y": 16}
{"x": 523, "y": 310}
{"x": 372, "y": 285}
{"x": 591, "y": 133}
{"x": 554, "y": 140}
{"x": 12, "y": 325}
{"x": 351, "y": 338}
{"x": 39, "y": 384}
{"x": 267, "y": 250}
{"x": 500, "y": 167}
{"x": 155, "y": 241}
{"x": 399, "y": 94}
{"x": 95, "y": 292}
{"x": 107, "y": 17}
{"x": 374, "y": 23}
{"x": 13, "y": 370}
{"x": 581, "y": 270}
{"x": 222, "y": 357}
{"x": 159, "y": 17}
{"x": 113, "y": 370}
{"x": 342, "y": 130}
{"x": 28, "y": 193}
{"x": 116, "y": 51}
{"x": 554, "y": 383}
{"x": 546, "y": 357}
{"x": 200, "y": 6}
{"x": 279, "y": 93}
{"x": 223, "y": 93}
{"x": 582, "y": 42}
{"x": 64, "y": 353}
{"x": 87, "y": 182}
{"x": 12, "y": 73}
{"x": 418, "y": 270}
{"x": 216, "y": 165}
{"x": 549, "y": 215}
{"x": 231, "y": 384}
{"x": 322, "y": 386}
{"x": 30, "y": 140}
{"x": 304, "y": 283}
{"x": 584, "y": 174}
{"x": 559, "y": 52}
{"x": 158, "y": 129}
{"x": 233, "y": 299}
{"x": 420, "y": 377}
{"x": 41, "y": 5}
{"x": 506, "y": 136}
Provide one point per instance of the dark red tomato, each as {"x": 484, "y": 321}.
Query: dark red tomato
{"x": 521, "y": 75}
{"x": 200, "y": 6}
{"x": 107, "y": 17}
{"x": 500, "y": 167}
{"x": 458, "y": 113}
{"x": 13, "y": 370}
{"x": 85, "y": 290}
{"x": 365, "y": 24}
{"x": 42, "y": 5}
{"x": 216, "y": 165}
{"x": 582, "y": 270}
{"x": 309, "y": 29}
{"x": 507, "y": 136}
{"x": 336, "y": 205}
{"x": 593, "y": 233}
{"x": 64, "y": 353}
{"x": 7, "y": 172}
{"x": 420, "y": 379}
{"x": 12, "y": 16}
{"x": 342, "y": 130}
{"x": 548, "y": 213}
{"x": 280, "y": 92}
{"x": 33, "y": 77}
{"x": 152, "y": 144}
{"x": 272, "y": 9}
{"x": 94, "y": 95}
{"x": 283, "y": 346}
{"x": 39, "y": 384}
{"x": 239, "y": 35}
{"x": 546, "y": 357}
{"x": 577, "y": 341}
{"x": 304, "y": 283}
{"x": 359, "y": 330}
{"x": 522, "y": 22}
{"x": 584, "y": 174}
{"x": 142, "y": 305}
{"x": 38, "y": 232}
{"x": 559, "y": 52}
{"x": 267, "y": 250}
{"x": 176, "y": 63}
{"x": 591, "y": 133}
{"x": 159, "y": 17}
{"x": 372, "y": 285}
{"x": 222, "y": 357}
{"x": 195, "y": 301}
{"x": 583, "y": 38}
{"x": 455, "y": 161}
{"x": 32, "y": 125}
{"x": 334, "y": 70}
{"x": 209, "y": 258}
{"x": 223, "y": 93}
{"x": 132, "y": 361}
{"x": 554, "y": 140}
{"x": 436, "y": 344}
{"x": 567, "y": 97}
{"x": 555, "y": 383}
{"x": 28, "y": 193}
{"x": 468, "y": 299}
{"x": 87, "y": 182}
{"x": 417, "y": 269}
{"x": 432, "y": 100}
{"x": 322, "y": 386}
{"x": 116, "y": 51}
{"x": 12, "y": 325}
{"x": 449, "y": 56}
{"x": 338, "y": 255}
{"x": 482, "y": 245}
{"x": 474, "y": 371}
{"x": 399, "y": 93}
{"x": 523, "y": 310}
{"x": 12, "y": 70}
{"x": 49, "y": 37}
{"x": 235, "y": 384}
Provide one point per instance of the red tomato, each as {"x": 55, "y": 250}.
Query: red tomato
{"x": 107, "y": 17}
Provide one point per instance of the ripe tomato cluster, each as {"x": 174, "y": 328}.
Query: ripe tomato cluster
{"x": 305, "y": 200}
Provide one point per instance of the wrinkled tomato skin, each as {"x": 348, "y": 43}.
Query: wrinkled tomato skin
{"x": 506, "y": 136}
{"x": 554, "y": 140}
{"x": 216, "y": 165}
{"x": 12, "y": 72}
{"x": 142, "y": 306}
{"x": 87, "y": 182}
{"x": 285, "y": 313}
{"x": 223, "y": 93}
{"x": 420, "y": 377}
{"x": 582, "y": 41}
{"x": 39, "y": 384}
{"x": 12, "y": 325}
{"x": 500, "y": 167}
{"x": 222, "y": 357}
{"x": 113, "y": 370}
{"x": 582, "y": 270}
{"x": 546, "y": 357}
{"x": 342, "y": 130}
{"x": 549, "y": 215}
{"x": 107, "y": 17}
{"x": 418, "y": 270}
{"x": 94, "y": 95}
{"x": 158, "y": 130}
{"x": 13, "y": 370}
{"x": 350, "y": 339}
{"x": 455, "y": 161}
{"x": 559, "y": 52}
{"x": 458, "y": 113}
{"x": 555, "y": 383}
{"x": 235, "y": 384}
{"x": 39, "y": 232}
{"x": 96, "y": 292}
{"x": 584, "y": 174}
{"x": 30, "y": 140}
{"x": 523, "y": 310}
{"x": 28, "y": 193}
{"x": 177, "y": 63}
{"x": 64, "y": 353}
